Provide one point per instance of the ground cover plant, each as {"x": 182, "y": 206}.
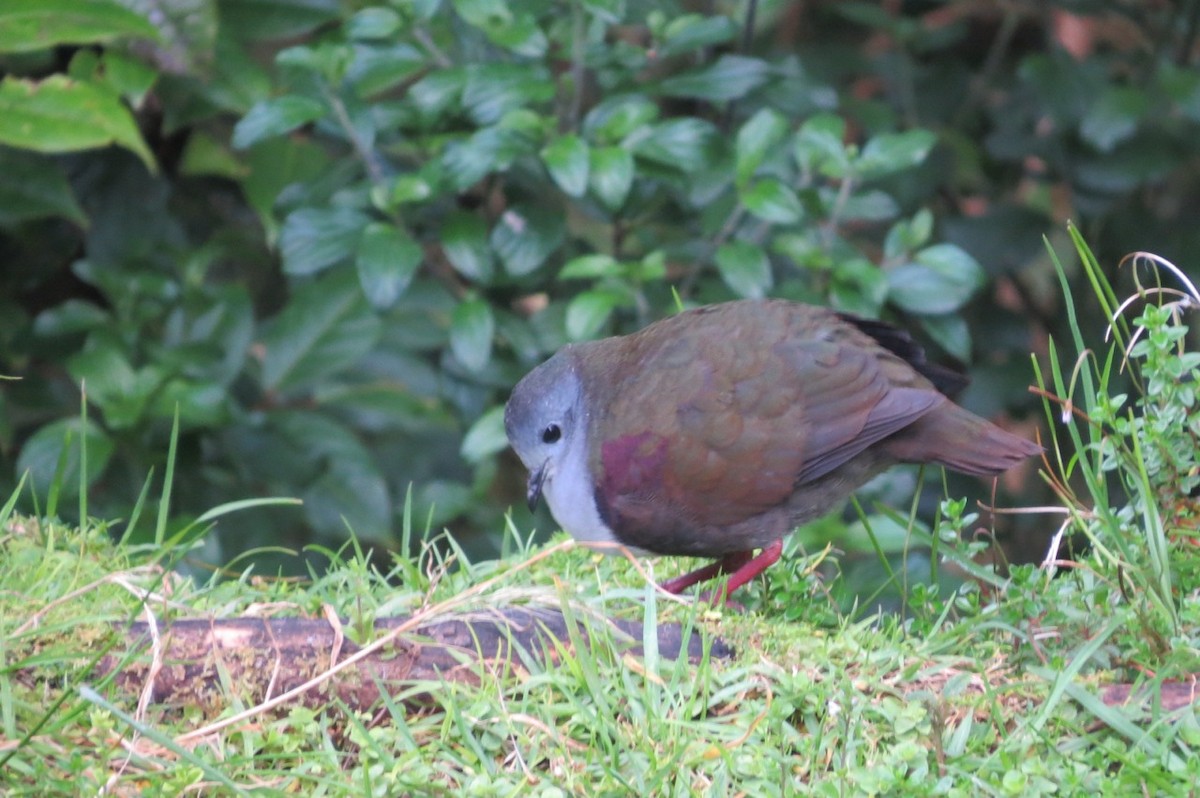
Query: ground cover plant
{"x": 1066, "y": 678}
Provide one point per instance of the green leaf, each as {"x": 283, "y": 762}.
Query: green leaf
{"x": 34, "y": 187}
{"x": 942, "y": 278}
{"x": 104, "y": 366}
{"x": 483, "y": 13}
{"x": 865, "y": 206}
{"x": 489, "y": 150}
{"x": 113, "y": 384}
{"x": 494, "y": 89}
{"x": 351, "y": 493}
{"x": 1181, "y": 84}
{"x": 465, "y": 243}
{"x": 42, "y": 24}
{"x": 1114, "y": 117}
{"x": 609, "y": 11}
{"x": 1062, "y": 87}
{"x": 203, "y": 155}
{"x": 404, "y": 189}
{"x": 952, "y": 260}
{"x": 731, "y": 77}
{"x": 894, "y": 152}
{"x": 327, "y": 61}
{"x": 692, "y": 31}
{"x": 379, "y": 68}
{"x": 326, "y": 327}
{"x": 374, "y": 23}
{"x": 745, "y": 269}
{"x": 908, "y": 234}
{"x": 519, "y": 334}
{"x": 567, "y": 159}
{"x": 213, "y": 344}
{"x": 593, "y": 267}
{"x": 589, "y": 311}
{"x": 518, "y": 32}
{"x": 921, "y": 228}
{"x": 273, "y": 165}
{"x": 441, "y": 501}
{"x": 256, "y": 20}
{"x": 1128, "y": 167}
{"x": 200, "y": 404}
{"x": 616, "y": 118}
{"x": 611, "y": 175}
{"x": 772, "y": 201}
{"x": 820, "y": 147}
{"x": 868, "y": 14}
{"x": 70, "y": 317}
{"x": 436, "y": 93}
{"x": 388, "y": 257}
{"x": 522, "y": 36}
{"x": 859, "y": 286}
{"x": 275, "y": 117}
{"x": 951, "y": 333}
{"x": 385, "y": 405}
{"x": 472, "y": 328}
{"x": 124, "y": 74}
{"x": 486, "y": 437}
{"x": 756, "y": 141}
{"x": 883, "y": 533}
{"x": 314, "y": 239}
{"x": 685, "y": 144}
{"x": 62, "y": 115}
{"x": 524, "y": 237}
{"x": 40, "y": 454}
{"x": 652, "y": 267}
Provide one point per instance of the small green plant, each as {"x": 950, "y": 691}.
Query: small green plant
{"x": 1125, "y": 426}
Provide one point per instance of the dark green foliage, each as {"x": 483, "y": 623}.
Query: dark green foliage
{"x": 334, "y": 256}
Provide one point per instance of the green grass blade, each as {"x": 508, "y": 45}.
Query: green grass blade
{"x": 245, "y": 504}
{"x": 6, "y": 510}
{"x": 138, "y": 507}
{"x": 83, "y": 454}
{"x": 1064, "y": 678}
{"x": 164, "y": 502}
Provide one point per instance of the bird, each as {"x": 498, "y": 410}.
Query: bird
{"x": 715, "y": 432}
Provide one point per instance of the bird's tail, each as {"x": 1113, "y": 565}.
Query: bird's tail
{"x": 961, "y": 441}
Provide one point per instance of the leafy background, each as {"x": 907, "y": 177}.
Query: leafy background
{"x": 333, "y": 235}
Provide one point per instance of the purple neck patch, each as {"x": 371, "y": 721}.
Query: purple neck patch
{"x": 633, "y": 464}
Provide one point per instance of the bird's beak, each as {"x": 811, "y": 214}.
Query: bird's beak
{"x": 534, "y": 493}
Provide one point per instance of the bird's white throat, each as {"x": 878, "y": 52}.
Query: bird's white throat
{"x": 570, "y": 492}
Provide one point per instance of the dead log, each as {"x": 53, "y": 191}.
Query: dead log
{"x": 1169, "y": 696}
{"x": 190, "y": 661}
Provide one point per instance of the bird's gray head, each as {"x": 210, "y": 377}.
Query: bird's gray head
{"x": 543, "y": 416}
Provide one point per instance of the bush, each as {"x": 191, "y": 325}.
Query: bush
{"x": 333, "y": 239}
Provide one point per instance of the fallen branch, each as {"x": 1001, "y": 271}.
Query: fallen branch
{"x": 263, "y": 658}
{"x": 1169, "y": 696}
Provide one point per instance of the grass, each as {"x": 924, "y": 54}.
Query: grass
{"x": 993, "y": 686}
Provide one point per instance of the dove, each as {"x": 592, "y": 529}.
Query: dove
{"x": 716, "y": 432}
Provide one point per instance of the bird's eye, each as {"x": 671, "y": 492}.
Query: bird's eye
{"x": 551, "y": 434}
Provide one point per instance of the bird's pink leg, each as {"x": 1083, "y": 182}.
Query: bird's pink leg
{"x": 740, "y": 566}
{"x": 748, "y": 570}
{"x": 728, "y": 563}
